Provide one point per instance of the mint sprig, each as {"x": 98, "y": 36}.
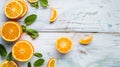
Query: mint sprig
{"x": 3, "y": 51}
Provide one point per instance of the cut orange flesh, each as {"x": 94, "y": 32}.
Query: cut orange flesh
{"x": 13, "y": 10}
{"x": 11, "y": 31}
{"x": 54, "y": 15}
{"x": 22, "y": 51}
{"x": 86, "y": 39}
{"x": 63, "y": 45}
{"x": 51, "y": 62}
{"x": 8, "y": 64}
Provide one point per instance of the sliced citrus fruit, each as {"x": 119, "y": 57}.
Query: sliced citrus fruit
{"x": 25, "y": 7}
{"x": 11, "y": 31}
{"x": 22, "y": 51}
{"x": 32, "y": 1}
{"x": 63, "y": 45}
{"x": 13, "y": 10}
{"x": 86, "y": 39}
{"x": 54, "y": 15}
{"x": 51, "y": 62}
{"x": 8, "y": 64}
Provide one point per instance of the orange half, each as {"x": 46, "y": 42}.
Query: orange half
{"x": 11, "y": 31}
{"x": 13, "y": 10}
{"x": 8, "y": 64}
{"x": 22, "y": 51}
{"x": 63, "y": 45}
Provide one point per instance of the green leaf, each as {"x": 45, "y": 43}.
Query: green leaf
{"x": 24, "y": 28}
{"x": 35, "y": 5}
{"x": 33, "y": 33}
{"x": 44, "y": 3}
{"x": 39, "y": 62}
{"x": 9, "y": 57}
{"x": 30, "y": 19}
{"x": 3, "y": 51}
{"x": 39, "y": 55}
{"x": 29, "y": 64}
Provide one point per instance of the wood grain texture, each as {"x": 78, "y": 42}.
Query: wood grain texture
{"x": 102, "y": 52}
{"x": 75, "y": 15}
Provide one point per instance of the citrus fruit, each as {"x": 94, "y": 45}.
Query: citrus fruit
{"x": 86, "y": 39}
{"x": 25, "y": 7}
{"x": 22, "y": 50}
{"x": 63, "y": 44}
{"x": 11, "y": 31}
{"x": 51, "y": 62}
{"x": 32, "y": 1}
{"x": 54, "y": 15}
{"x": 13, "y": 10}
{"x": 8, "y": 64}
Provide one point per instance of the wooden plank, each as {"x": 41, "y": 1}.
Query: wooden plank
{"x": 102, "y": 52}
{"x": 75, "y": 15}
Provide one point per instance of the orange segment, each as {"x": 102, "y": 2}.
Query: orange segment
{"x": 11, "y": 31}
{"x": 63, "y": 45}
{"x": 13, "y": 10}
{"x": 8, "y": 64}
{"x": 54, "y": 15}
{"x": 86, "y": 39}
{"x": 51, "y": 62}
{"x": 25, "y": 7}
{"x": 22, "y": 51}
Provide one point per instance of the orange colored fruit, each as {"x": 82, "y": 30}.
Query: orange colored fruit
{"x": 25, "y": 7}
{"x": 22, "y": 51}
{"x": 11, "y": 31}
{"x": 54, "y": 15}
{"x": 63, "y": 45}
{"x": 8, "y": 64}
{"x": 13, "y": 10}
{"x": 86, "y": 39}
{"x": 51, "y": 62}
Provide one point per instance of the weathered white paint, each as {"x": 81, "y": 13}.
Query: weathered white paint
{"x": 102, "y": 52}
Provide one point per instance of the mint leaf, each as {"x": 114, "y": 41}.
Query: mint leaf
{"x": 33, "y": 33}
{"x": 39, "y": 55}
{"x": 29, "y": 64}
{"x": 24, "y": 28}
{"x": 9, "y": 57}
{"x": 30, "y": 19}
{"x": 3, "y": 51}
{"x": 44, "y": 3}
{"x": 35, "y": 5}
{"x": 39, "y": 62}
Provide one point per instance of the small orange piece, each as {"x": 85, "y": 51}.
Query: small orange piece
{"x": 8, "y": 64}
{"x": 25, "y": 7}
{"x": 63, "y": 45}
{"x": 13, "y": 10}
{"x": 86, "y": 39}
{"x": 54, "y": 15}
{"x": 51, "y": 62}
{"x": 22, "y": 51}
{"x": 11, "y": 31}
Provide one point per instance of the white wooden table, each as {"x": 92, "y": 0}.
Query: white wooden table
{"x": 76, "y": 18}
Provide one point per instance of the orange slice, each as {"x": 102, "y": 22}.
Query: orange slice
{"x": 8, "y": 64}
{"x": 86, "y": 39}
{"x": 54, "y": 15}
{"x": 13, "y": 10}
{"x": 11, "y": 31}
{"x": 22, "y": 51}
{"x": 51, "y": 62}
{"x": 63, "y": 45}
{"x": 25, "y": 7}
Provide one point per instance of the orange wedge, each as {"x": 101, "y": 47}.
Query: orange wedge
{"x": 13, "y": 10}
{"x": 86, "y": 39}
{"x": 54, "y": 15}
{"x": 22, "y": 51}
{"x": 63, "y": 45}
{"x": 8, "y": 64}
{"x": 51, "y": 62}
{"x": 11, "y": 31}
